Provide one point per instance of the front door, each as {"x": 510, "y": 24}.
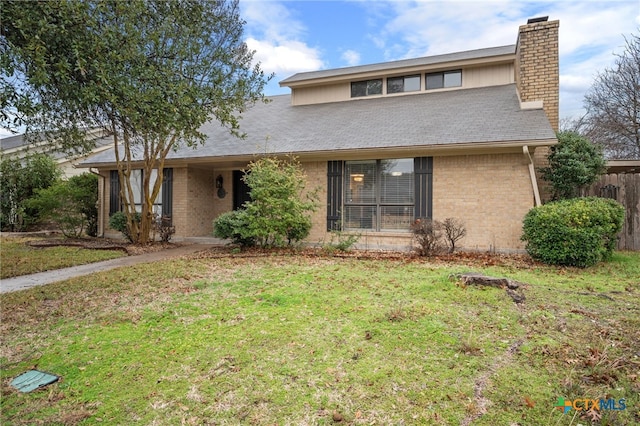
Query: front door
{"x": 240, "y": 190}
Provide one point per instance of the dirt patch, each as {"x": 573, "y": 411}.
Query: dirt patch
{"x": 471, "y": 259}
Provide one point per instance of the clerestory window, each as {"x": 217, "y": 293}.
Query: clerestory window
{"x": 366, "y": 88}
{"x": 441, "y": 80}
{"x": 403, "y": 84}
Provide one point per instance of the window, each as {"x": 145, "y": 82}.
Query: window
{"x": 366, "y": 88}
{"x": 379, "y": 194}
{"x": 162, "y": 205}
{"x": 403, "y": 84}
{"x": 440, "y": 80}
{"x": 136, "y": 186}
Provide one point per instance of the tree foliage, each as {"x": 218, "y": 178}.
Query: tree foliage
{"x": 70, "y": 204}
{"x": 19, "y": 181}
{"x": 149, "y": 72}
{"x": 278, "y": 212}
{"x": 613, "y": 105}
{"x": 573, "y": 163}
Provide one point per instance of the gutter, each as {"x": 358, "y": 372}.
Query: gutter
{"x": 101, "y": 183}
{"x": 532, "y": 175}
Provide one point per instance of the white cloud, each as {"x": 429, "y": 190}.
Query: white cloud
{"x": 277, "y": 38}
{"x": 590, "y": 31}
{"x": 285, "y": 57}
{"x": 351, "y": 57}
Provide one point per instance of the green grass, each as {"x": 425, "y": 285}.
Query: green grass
{"x": 18, "y": 258}
{"x": 291, "y": 339}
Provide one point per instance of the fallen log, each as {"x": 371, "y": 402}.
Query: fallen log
{"x": 512, "y": 287}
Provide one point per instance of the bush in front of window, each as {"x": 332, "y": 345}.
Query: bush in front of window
{"x": 118, "y": 222}
{"x": 427, "y": 237}
{"x": 453, "y": 231}
{"x": 576, "y": 232}
{"x": 341, "y": 241}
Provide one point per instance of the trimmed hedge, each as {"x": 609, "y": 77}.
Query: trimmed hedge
{"x": 576, "y": 232}
{"x": 234, "y": 225}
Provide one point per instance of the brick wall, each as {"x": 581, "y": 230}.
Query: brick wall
{"x": 490, "y": 193}
{"x": 196, "y": 201}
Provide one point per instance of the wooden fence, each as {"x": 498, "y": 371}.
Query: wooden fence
{"x": 624, "y": 188}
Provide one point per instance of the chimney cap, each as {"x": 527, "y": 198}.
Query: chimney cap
{"x": 536, "y": 20}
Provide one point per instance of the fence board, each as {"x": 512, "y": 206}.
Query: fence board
{"x": 624, "y": 188}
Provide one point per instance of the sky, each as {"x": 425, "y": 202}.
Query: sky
{"x": 310, "y": 35}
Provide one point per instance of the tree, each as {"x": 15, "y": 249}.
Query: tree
{"x": 278, "y": 212}
{"x": 149, "y": 72}
{"x": 573, "y": 163}
{"x": 19, "y": 181}
{"x": 613, "y": 105}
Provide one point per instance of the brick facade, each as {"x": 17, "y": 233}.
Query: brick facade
{"x": 491, "y": 193}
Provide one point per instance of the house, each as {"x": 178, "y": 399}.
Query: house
{"x": 18, "y": 146}
{"x": 454, "y": 135}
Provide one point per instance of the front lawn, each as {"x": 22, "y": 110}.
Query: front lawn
{"x": 255, "y": 338}
{"x": 19, "y": 258}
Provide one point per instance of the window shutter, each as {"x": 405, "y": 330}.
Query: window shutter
{"x": 334, "y": 195}
{"x": 167, "y": 192}
{"x": 114, "y": 192}
{"x": 423, "y": 172}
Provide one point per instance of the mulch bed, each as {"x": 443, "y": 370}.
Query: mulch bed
{"x": 479, "y": 259}
{"x": 102, "y": 244}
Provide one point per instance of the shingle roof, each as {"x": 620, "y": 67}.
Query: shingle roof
{"x": 11, "y": 142}
{"x": 405, "y": 63}
{"x": 479, "y": 115}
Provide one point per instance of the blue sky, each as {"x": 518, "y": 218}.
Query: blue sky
{"x": 308, "y": 35}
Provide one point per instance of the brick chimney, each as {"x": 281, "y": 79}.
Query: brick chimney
{"x": 537, "y": 65}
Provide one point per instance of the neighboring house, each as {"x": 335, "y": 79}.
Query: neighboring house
{"x": 454, "y": 135}
{"x": 18, "y": 146}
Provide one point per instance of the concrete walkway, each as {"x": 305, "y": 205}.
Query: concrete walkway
{"x": 48, "y": 277}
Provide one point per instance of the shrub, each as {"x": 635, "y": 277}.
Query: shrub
{"x": 341, "y": 241}
{"x": 162, "y": 225}
{"x": 427, "y": 237}
{"x": 118, "y": 222}
{"x": 454, "y": 230}
{"x": 19, "y": 180}
{"x": 576, "y": 232}
{"x": 233, "y": 226}
{"x": 85, "y": 190}
{"x": 278, "y": 212}
{"x": 58, "y": 204}
{"x": 573, "y": 163}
